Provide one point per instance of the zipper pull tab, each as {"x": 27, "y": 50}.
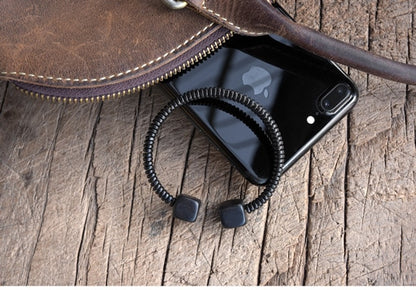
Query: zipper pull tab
{"x": 175, "y": 4}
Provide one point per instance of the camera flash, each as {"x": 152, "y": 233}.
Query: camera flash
{"x": 310, "y": 120}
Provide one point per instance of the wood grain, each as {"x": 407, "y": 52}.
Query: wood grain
{"x": 76, "y": 208}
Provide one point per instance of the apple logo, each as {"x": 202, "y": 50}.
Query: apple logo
{"x": 259, "y": 79}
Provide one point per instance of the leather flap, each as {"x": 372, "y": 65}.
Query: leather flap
{"x": 258, "y": 17}
{"x": 87, "y": 44}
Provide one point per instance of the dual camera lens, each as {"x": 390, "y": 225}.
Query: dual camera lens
{"x": 335, "y": 98}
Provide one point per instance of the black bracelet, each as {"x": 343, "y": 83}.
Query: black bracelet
{"x": 232, "y": 212}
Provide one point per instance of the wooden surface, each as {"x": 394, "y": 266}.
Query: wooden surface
{"x": 75, "y": 206}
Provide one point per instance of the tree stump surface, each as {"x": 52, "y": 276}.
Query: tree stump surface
{"x": 76, "y": 207}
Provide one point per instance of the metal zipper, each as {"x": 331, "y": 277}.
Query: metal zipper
{"x": 184, "y": 66}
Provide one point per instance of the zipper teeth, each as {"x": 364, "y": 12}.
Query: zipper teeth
{"x": 186, "y": 65}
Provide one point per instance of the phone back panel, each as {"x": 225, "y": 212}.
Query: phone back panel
{"x": 290, "y": 82}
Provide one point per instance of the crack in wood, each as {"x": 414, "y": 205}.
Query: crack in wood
{"x": 91, "y": 216}
{"x": 163, "y": 280}
{"x": 133, "y": 191}
{"x": 46, "y": 176}
{"x": 306, "y": 242}
{"x": 401, "y": 254}
{"x": 107, "y": 273}
{"x": 211, "y": 268}
{"x": 185, "y": 166}
{"x": 263, "y": 245}
{"x": 206, "y": 205}
{"x": 86, "y": 242}
{"x": 3, "y": 96}
{"x": 346, "y": 191}
{"x": 133, "y": 135}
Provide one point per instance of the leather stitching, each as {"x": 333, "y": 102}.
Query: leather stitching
{"x": 105, "y": 78}
{"x": 234, "y": 26}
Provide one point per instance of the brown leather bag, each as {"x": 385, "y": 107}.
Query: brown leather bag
{"x": 62, "y": 50}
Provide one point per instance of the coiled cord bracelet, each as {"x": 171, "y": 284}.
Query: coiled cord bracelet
{"x": 232, "y": 211}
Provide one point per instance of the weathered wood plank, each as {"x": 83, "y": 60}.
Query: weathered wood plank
{"x": 324, "y": 271}
{"x": 327, "y": 260}
{"x": 31, "y": 131}
{"x": 76, "y": 208}
{"x": 132, "y": 229}
{"x": 285, "y": 250}
{"x": 284, "y": 255}
{"x": 382, "y": 188}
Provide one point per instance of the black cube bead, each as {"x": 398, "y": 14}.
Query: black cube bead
{"x": 232, "y": 213}
{"x": 186, "y": 208}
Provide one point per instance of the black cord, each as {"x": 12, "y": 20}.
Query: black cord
{"x": 239, "y": 114}
{"x": 216, "y": 93}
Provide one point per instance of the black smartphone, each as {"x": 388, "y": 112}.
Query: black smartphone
{"x": 306, "y": 95}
